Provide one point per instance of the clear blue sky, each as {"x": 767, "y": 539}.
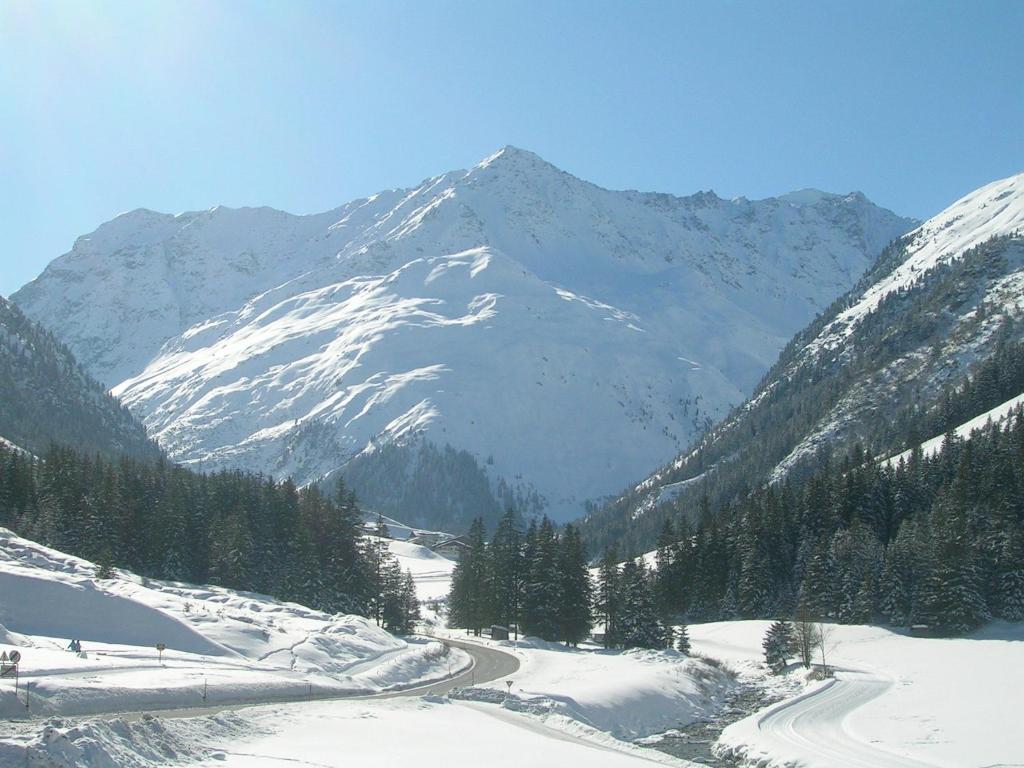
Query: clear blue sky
{"x": 109, "y": 106}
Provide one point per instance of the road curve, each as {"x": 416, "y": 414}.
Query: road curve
{"x": 809, "y": 728}
{"x": 488, "y": 664}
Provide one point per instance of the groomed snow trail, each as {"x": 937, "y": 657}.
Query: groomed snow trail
{"x": 809, "y": 730}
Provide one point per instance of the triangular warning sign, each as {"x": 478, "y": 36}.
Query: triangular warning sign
{"x": 3, "y": 657}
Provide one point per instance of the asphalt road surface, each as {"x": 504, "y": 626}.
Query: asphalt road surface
{"x": 488, "y": 664}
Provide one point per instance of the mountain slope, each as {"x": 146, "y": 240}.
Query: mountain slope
{"x": 943, "y": 301}
{"x": 45, "y": 396}
{"x": 566, "y": 336}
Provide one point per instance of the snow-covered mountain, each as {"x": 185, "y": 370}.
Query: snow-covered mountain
{"x": 566, "y": 336}
{"x": 944, "y": 299}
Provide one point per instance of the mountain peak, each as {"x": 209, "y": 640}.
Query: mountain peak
{"x": 514, "y": 158}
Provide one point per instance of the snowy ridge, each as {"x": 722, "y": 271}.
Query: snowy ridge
{"x": 512, "y": 310}
{"x": 991, "y": 211}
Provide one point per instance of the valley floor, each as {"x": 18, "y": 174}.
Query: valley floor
{"x": 895, "y": 701}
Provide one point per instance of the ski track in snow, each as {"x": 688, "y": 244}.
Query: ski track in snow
{"x": 812, "y": 726}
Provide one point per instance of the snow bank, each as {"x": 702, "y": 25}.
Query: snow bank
{"x": 940, "y": 702}
{"x": 221, "y": 646}
{"x": 627, "y": 694}
{"x": 118, "y": 743}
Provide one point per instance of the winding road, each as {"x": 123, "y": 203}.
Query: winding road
{"x": 809, "y": 728}
{"x": 488, "y": 664}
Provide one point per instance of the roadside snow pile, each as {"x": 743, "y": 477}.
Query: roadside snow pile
{"x": 119, "y": 743}
{"x": 431, "y": 733}
{"x": 221, "y": 645}
{"x": 896, "y": 700}
{"x": 628, "y": 694}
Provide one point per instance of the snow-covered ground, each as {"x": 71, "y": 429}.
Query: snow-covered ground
{"x": 896, "y": 700}
{"x": 625, "y": 694}
{"x": 428, "y": 732}
{"x": 431, "y": 571}
{"x": 567, "y": 707}
{"x": 227, "y": 646}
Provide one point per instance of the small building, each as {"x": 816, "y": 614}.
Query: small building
{"x": 921, "y": 630}
{"x": 498, "y": 632}
{"x": 427, "y": 538}
{"x": 451, "y": 548}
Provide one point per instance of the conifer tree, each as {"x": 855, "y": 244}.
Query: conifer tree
{"x": 469, "y": 603}
{"x": 683, "y": 640}
{"x": 506, "y": 571}
{"x": 541, "y": 591}
{"x": 779, "y": 644}
{"x": 576, "y": 593}
{"x": 640, "y": 625}
{"x": 608, "y": 600}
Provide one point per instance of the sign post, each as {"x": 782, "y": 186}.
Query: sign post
{"x": 160, "y": 647}
{"x": 509, "y": 684}
{"x": 9, "y": 666}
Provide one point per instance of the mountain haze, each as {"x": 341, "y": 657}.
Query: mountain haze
{"x": 562, "y": 337}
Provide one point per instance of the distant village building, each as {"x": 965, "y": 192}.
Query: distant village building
{"x": 451, "y": 548}
{"x": 428, "y": 538}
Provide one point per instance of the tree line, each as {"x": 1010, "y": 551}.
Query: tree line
{"x": 538, "y": 582}
{"x": 928, "y": 322}
{"x": 935, "y": 540}
{"x": 234, "y": 529}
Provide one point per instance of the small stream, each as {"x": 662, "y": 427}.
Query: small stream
{"x": 694, "y": 741}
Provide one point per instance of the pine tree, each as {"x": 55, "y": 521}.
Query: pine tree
{"x": 1011, "y": 577}
{"x": 683, "y": 640}
{"x": 608, "y": 600}
{"x": 779, "y": 644}
{"x": 640, "y": 624}
{"x": 506, "y": 571}
{"x": 576, "y": 593}
{"x": 469, "y": 601}
{"x": 542, "y": 589}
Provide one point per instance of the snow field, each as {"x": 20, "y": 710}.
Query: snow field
{"x": 625, "y": 694}
{"x": 896, "y": 701}
{"x": 431, "y": 572}
{"x": 432, "y": 733}
{"x": 227, "y": 646}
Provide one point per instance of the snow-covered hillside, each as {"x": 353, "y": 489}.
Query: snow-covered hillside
{"x": 974, "y": 310}
{"x": 935, "y": 306}
{"x": 536, "y": 320}
{"x": 998, "y": 415}
{"x": 229, "y": 646}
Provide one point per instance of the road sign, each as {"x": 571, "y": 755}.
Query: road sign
{"x": 160, "y": 647}
{"x": 3, "y": 656}
{"x": 15, "y": 657}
